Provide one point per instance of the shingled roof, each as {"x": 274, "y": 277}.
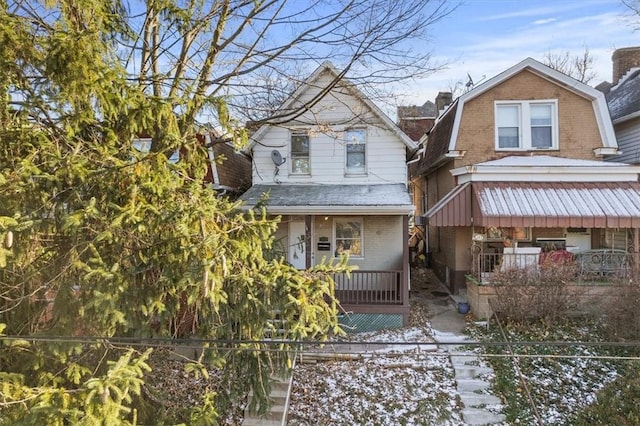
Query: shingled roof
{"x": 623, "y": 99}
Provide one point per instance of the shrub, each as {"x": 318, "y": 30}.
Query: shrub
{"x": 537, "y": 292}
{"x": 621, "y": 316}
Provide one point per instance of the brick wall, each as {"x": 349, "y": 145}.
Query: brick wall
{"x": 578, "y": 129}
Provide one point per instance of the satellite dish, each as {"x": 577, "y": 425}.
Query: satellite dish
{"x": 276, "y": 157}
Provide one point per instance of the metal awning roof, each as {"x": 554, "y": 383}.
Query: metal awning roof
{"x": 540, "y": 205}
{"x": 390, "y": 199}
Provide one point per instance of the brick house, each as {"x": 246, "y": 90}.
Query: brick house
{"x": 519, "y": 158}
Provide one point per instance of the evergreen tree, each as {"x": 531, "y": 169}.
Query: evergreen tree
{"x": 103, "y": 241}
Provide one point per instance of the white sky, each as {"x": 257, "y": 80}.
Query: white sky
{"x": 485, "y": 37}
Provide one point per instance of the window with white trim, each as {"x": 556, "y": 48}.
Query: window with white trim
{"x": 526, "y": 125}
{"x": 300, "y": 153}
{"x": 356, "y": 151}
{"x": 143, "y": 145}
{"x": 348, "y": 236}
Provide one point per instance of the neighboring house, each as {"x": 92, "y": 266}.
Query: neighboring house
{"x": 519, "y": 159}
{"x": 416, "y": 122}
{"x": 623, "y": 98}
{"x": 337, "y": 177}
{"x": 228, "y": 170}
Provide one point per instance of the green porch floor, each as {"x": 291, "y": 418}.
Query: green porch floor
{"x": 360, "y": 323}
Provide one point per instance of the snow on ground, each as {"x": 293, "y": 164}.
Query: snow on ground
{"x": 400, "y": 384}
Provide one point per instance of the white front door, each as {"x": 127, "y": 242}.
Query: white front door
{"x": 297, "y": 244}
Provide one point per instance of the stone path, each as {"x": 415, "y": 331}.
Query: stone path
{"x": 471, "y": 371}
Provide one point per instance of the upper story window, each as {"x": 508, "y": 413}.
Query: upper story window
{"x": 300, "y": 153}
{"x": 144, "y": 145}
{"x": 526, "y": 125}
{"x": 356, "y": 151}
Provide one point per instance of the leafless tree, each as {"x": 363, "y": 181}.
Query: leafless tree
{"x": 579, "y": 67}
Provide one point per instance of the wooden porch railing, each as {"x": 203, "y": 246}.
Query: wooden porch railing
{"x": 370, "y": 288}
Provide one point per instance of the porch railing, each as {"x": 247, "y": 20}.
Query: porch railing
{"x": 370, "y": 288}
{"x": 588, "y": 266}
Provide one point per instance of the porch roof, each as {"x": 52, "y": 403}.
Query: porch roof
{"x": 383, "y": 199}
{"x": 540, "y": 205}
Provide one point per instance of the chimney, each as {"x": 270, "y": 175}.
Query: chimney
{"x": 623, "y": 60}
{"x": 442, "y": 100}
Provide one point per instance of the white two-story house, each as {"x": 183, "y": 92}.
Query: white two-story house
{"x": 336, "y": 174}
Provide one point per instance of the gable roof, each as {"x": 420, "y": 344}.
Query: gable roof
{"x": 600, "y": 108}
{"x": 624, "y": 98}
{"x": 443, "y": 136}
{"x": 353, "y": 90}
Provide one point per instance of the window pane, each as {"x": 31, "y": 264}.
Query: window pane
{"x": 349, "y": 238}
{"x": 356, "y": 158}
{"x": 508, "y": 137}
{"x": 508, "y": 116}
{"x": 355, "y": 161}
{"x": 541, "y": 137}
{"x": 541, "y": 115}
{"x": 300, "y": 165}
{"x": 300, "y": 144}
{"x": 300, "y": 153}
{"x": 541, "y": 126}
{"x": 142, "y": 144}
{"x": 355, "y": 136}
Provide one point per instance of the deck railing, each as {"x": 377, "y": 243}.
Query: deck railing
{"x": 370, "y": 288}
{"x": 592, "y": 265}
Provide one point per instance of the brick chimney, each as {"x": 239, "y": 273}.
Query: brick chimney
{"x": 623, "y": 60}
{"x": 442, "y": 100}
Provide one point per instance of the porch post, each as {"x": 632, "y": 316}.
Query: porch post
{"x": 636, "y": 249}
{"x": 405, "y": 267}
{"x": 308, "y": 244}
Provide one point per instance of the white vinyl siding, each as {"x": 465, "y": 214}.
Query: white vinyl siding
{"x": 385, "y": 152}
{"x": 628, "y": 144}
{"x": 526, "y": 125}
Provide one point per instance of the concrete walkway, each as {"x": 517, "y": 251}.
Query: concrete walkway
{"x": 471, "y": 371}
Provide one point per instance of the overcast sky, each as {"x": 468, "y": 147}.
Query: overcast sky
{"x": 485, "y": 37}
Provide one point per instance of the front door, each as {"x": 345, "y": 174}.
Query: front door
{"x": 297, "y": 253}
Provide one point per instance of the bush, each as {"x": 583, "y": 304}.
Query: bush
{"x": 538, "y": 292}
{"x": 621, "y": 316}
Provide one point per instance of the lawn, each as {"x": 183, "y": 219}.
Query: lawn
{"x": 416, "y": 386}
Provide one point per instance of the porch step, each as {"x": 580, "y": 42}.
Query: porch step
{"x": 279, "y": 398}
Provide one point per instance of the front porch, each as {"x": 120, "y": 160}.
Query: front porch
{"x": 594, "y": 278}
{"x": 380, "y": 292}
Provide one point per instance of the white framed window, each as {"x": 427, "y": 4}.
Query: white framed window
{"x": 300, "y": 164}
{"x": 144, "y": 146}
{"x": 526, "y": 125}
{"x": 348, "y": 236}
{"x": 356, "y": 152}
